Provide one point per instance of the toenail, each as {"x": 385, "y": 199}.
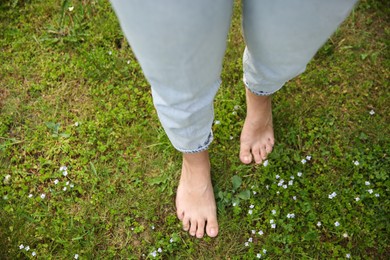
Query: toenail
{"x": 213, "y": 232}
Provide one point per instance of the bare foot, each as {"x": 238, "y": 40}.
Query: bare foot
{"x": 195, "y": 201}
{"x": 257, "y": 136}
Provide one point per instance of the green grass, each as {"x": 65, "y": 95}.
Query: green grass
{"x": 72, "y": 94}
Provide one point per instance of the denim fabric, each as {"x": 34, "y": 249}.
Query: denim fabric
{"x": 180, "y": 46}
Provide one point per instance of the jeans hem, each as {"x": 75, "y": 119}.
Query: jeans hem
{"x": 201, "y": 148}
{"x": 260, "y": 93}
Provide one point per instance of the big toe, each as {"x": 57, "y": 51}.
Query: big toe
{"x": 212, "y": 227}
{"x": 245, "y": 154}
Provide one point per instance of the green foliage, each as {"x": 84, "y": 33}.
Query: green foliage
{"x": 72, "y": 95}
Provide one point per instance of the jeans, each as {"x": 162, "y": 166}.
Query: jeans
{"x": 180, "y": 46}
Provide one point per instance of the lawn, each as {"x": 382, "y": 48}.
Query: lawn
{"x": 87, "y": 172}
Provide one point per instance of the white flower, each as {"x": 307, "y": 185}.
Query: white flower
{"x": 267, "y": 187}
{"x": 265, "y": 163}
{"x": 292, "y": 215}
{"x": 27, "y": 248}
{"x": 299, "y": 174}
{"x": 217, "y": 122}
{"x": 285, "y": 186}
{"x": 277, "y": 176}
{"x": 372, "y": 112}
{"x": 278, "y": 192}
{"x": 253, "y": 231}
{"x": 43, "y": 195}
{"x": 234, "y": 204}
{"x": 67, "y": 183}
{"x": 30, "y": 195}
{"x": 236, "y": 107}
{"x": 254, "y": 192}
{"x": 356, "y": 163}
{"x": 110, "y": 53}
{"x": 128, "y": 62}
{"x": 153, "y": 227}
{"x": 250, "y": 240}
{"x": 159, "y": 250}
{"x": 76, "y": 256}
{"x": 303, "y": 161}
{"x": 273, "y": 212}
{"x": 56, "y": 181}
{"x": 370, "y": 191}
{"x": 246, "y": 244}
{"x": 377, "y": 195}
{"x": 273, "y": 226}
{"x": 345, "y": 235}
{"x": 34, "y": 253}
{"x": 71, "y": 185}
{"x": 171, "y": 240}
{"x": 367, "y": 183}
{"x": 71, "y": 8}
{"x": 291, "y": 182}
{"x": 21, "y": 246}
{"x": 292, "y": 177}
{"x": 357, "y": 198}
{"x": 260, "y": 232}
{"x": 294, "y": 197}
{"x": 65, "y": 173}
{"x": 308, "y": 157}
{"x": 319, "y": 224}
{"x": 264, "y": 251}
{"x": 252, "y": 206}
{"x": 258, "y": 255}
{"x": 76, "y": 124}
{"x": 271, "y": 221}
{"x": 337, "y": 224}
{"x": 331, "y": 196}
{"x": 250, "y": 212}
{"x": 348, "y": 255}
{"x": 231, "y": 137}
{"x": 63, "y": 168}
{"x": 154, "y": 254}
{"x": 64, "y": 189}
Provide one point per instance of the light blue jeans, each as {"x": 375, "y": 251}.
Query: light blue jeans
{"x": 180, "y": 46}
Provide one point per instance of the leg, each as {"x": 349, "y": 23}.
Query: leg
{"x": 281, "y": 37}
{"x": 180, "y": 45}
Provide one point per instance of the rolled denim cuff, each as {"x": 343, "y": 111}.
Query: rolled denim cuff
{"x": 201, "y": 148}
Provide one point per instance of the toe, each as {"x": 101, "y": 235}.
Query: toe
{"x": 180, "y": 214}
{"x": 257, "y": 155}
{"x": 186, "y": 224}
{"x": 263, "y": 153}
{"x": 193, "y": 227}
{"x": 212, "y": 227}
{"x": 245, "y": 154}
{"x": 200, "y": 230}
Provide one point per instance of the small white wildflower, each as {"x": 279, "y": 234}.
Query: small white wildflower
{"x": 292, "y": 215}
{"x": 319, "y": 224}
{"x": 377, "y": 195}
{"x": 159, "y": 250}
{"x": 21, "y": 246}
{"x": 356, "y": 163}
{"x": 271, "y": 221}
{"x": 308, "y": 157}
{"x": 5, "y": 197}
{"x": 56, "y": 181}
{"x": 110, "y": 53}
{"x": 65, "y": 173}
{"x": 64, "y": 189}
{"x": 291, "y": 182}
{"x": 278, "y": 192}
{"x": 27, "y": 248}
{"x": 250, "y": 240}
{"x": 285, "y": 186}
{"x": 236, "y": 107}
{"x": 34, "y": 253}
{"x": 251, "y": 206}
{"x": 171, "y": 240}
{"x": 71, "y": 8}
{"x": 153, "y": 227}
{"x": 231, "y": 137}
{"x": 367, "y": 183}
{"x": 258, "y": 255}
{"x": 277, "y": 176}
{"x": 43, "y": 195}
{"x": 253, "y": 231}
{"x": 292, "y": 177}
{"x": 372, "y": 112}
{"x": 264, "y": 251}
{"x": 294, "y": 197}
{"x": 303, "y": 161}
{"x": 265, "y": 163}
{"x": 357, "y": 198}
{"x": 299, "y": 174}
{"x": 30, "y": 195}
{"x": 260, "y": 232}
{"x": 348, "y": 255}
{"x": 63, "y": 168}
{"x": 345, "y": 235}
{"x": 267, "y": 187}
{"x": 246, "y": 244}
{"x": 273, "y": 226}
{"x": 76, "y": 124}
{"x": 370, "y": 191}
{"x": 234, "y": 204}
{"x": 337, "y": 224}
{"x": 67, "y": 183}
{"x": 250, "y": 212}
{"x": 254, "y": 192}
{"x": 273, "y": 212}
{"x": 217, "y": 122}
{"x": 128, "y": 62}
{"x": 331, "y": 196}
{"x": 71, "y": 185}
{"x": 76, "y": 256}
{"x": 154, "y": 254}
